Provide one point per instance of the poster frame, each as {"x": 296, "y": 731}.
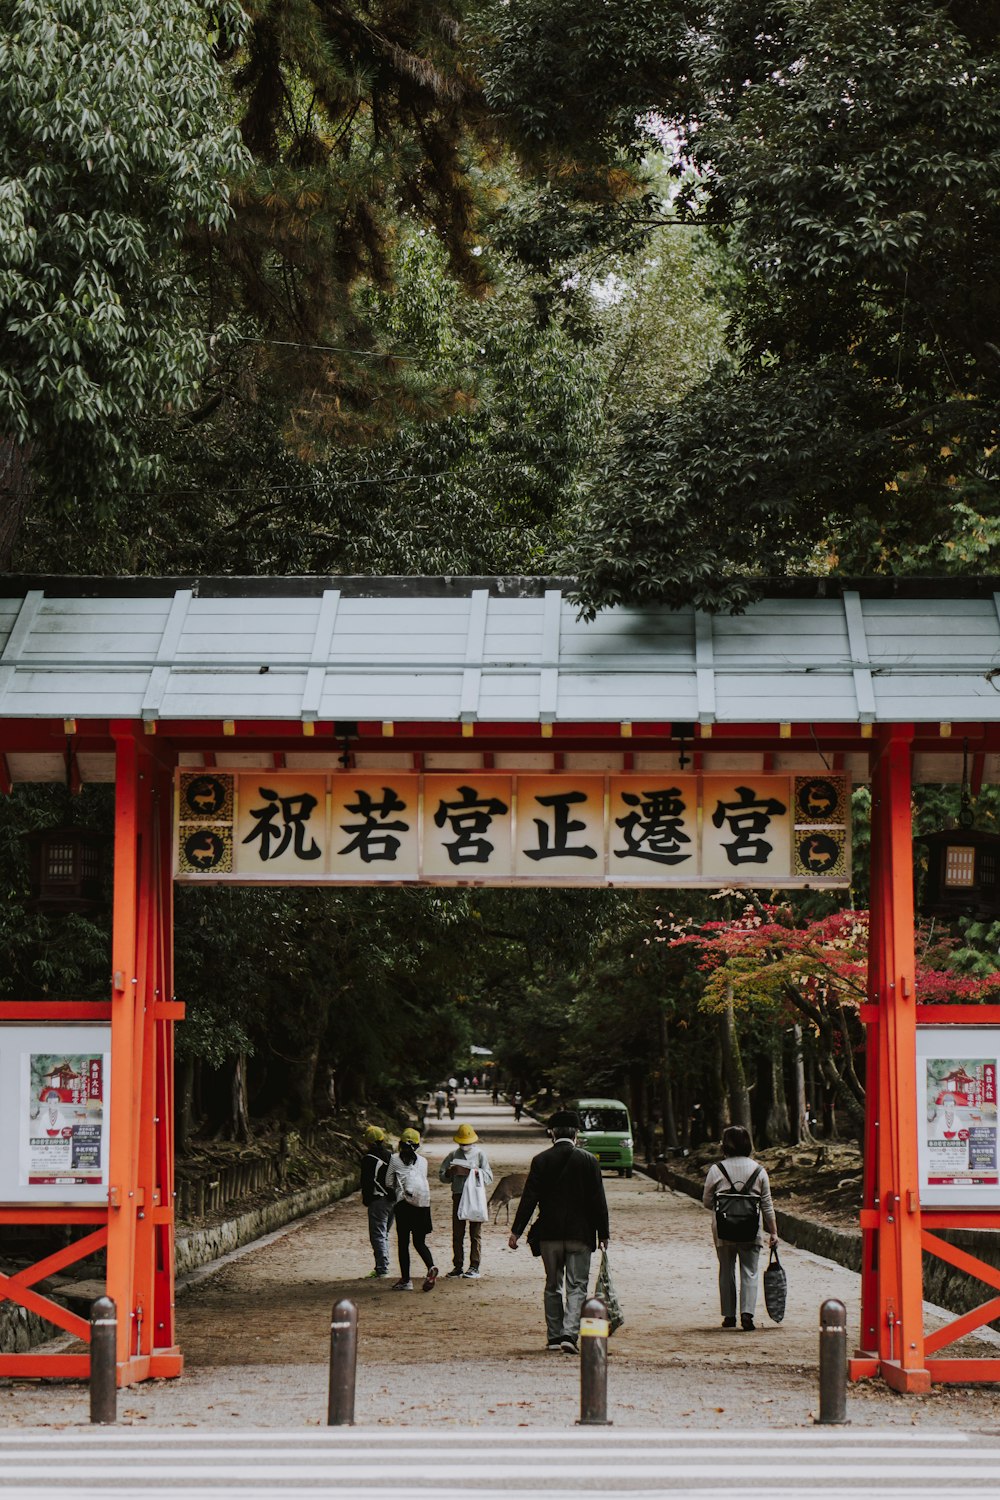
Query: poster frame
{"x": 953, "y": 1043}
{"x": 19, "y": 1041}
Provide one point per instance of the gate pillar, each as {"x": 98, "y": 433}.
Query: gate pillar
{"x": 892, "y": 1280}
{"x": 141, "y": 1189}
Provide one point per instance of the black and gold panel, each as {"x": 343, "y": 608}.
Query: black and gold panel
{"x": 820, "y": 851}
{"x": 820, "y": 799}
{"x": 205, "y": 823}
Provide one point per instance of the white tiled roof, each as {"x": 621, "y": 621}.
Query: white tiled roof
{"x": 483, "y": 650}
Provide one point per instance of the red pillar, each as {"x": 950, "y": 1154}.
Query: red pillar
{"x": 897, "y": 1305}
{"x": 140, "y": 1230}
{"x": 868, "y": 1341}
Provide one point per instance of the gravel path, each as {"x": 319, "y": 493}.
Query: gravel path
{"x": 255, "y": 1331}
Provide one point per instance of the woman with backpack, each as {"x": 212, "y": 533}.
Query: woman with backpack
{"x": 407, "y": 1177}
{"x": 739, "y": 1195}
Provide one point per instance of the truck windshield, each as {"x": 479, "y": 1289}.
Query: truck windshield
{"x": 604, "y": 1119}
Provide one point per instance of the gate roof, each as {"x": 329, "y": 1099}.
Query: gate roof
{"x": 494, "y": 651}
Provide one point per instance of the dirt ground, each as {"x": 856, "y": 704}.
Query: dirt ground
{"x": 255, "y": 1331}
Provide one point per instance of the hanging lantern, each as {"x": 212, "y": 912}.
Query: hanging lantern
{"x": 65, "y": 869}
{"x": 963, "y": 867}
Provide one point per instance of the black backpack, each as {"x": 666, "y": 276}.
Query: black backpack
{"x": 737, "y": 1210}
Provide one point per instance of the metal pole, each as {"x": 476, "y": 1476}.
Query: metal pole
{"x": 832, "y": 1363}
{"x": 343, "y": 1363}
{"x": 594, "y": 1364}
{"x": 104, "y": 1362}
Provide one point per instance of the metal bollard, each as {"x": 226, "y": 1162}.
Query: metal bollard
{"x": 832, "y": 1363}
{"x": 343, "y": 1363}
{"x": 594, "y": 1364}
{"x": 104, "y": 1362}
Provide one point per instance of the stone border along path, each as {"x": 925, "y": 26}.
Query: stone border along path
{"x": 255, "y": 1332}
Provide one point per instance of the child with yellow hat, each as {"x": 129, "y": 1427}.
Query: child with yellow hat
{"x": 377, "y": 1196}
{"x": 407, "y": 1175}
{"x": 468, "y": 1157}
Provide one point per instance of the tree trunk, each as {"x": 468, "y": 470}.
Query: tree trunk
{"x": 16, "y": 485}
{"x": 722, "y": 1115}
{"x": 803, "y": 1134}
{"x": 667, "y": 1093}
{"x": 184, "y": 1111}
{"x": 242, "y": 1130}
{"x": 299, "y": 1077}
{"x": 778, "y": 1123}
{"x": 732, "y": 1062}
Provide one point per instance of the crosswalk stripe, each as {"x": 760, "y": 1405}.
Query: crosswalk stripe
{"x": 376, "y": 1464}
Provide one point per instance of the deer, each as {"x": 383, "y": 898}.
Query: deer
{"x": 511, "y": 1186}
{"x": 206, "y": 800}
{"x": 818, "y": 802}
{"x": 817, "y": 859}
{"x": 204, "y": 852}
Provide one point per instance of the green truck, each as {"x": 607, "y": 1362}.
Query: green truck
{"x": 606, "y": 1132}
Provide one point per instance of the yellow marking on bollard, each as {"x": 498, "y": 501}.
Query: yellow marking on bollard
{"x": 594, "y": 1328}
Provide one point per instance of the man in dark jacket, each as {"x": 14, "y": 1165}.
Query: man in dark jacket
{"x": 377, "y": 1198}
{"x": 566, "y": 1185}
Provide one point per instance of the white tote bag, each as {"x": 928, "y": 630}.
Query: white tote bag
{"x": 472, "y": 1204}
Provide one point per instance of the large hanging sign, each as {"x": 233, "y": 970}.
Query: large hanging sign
{"x": 54, "y": 1105}
{"x": 484, "y": 828}
{"x": 957, "y": 1072}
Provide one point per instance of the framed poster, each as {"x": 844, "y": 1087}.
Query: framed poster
{"x": 957, "y": 1071}
{"x": 54, "y": 1113}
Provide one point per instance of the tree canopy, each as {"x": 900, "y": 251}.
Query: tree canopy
{"x": 113, "y": 145}
{"x": 848, "y": 157}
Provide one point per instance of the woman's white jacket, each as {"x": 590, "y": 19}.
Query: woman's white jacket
{"x": 409, "y": 1180}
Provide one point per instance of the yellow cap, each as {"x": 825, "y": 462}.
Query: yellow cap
{"x": 411, "y": 1135}
{"x": 465, "y": 1135}
{"x": 374, "y": 1133}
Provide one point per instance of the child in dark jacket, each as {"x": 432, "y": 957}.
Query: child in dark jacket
{"x": 379, "y": 1199}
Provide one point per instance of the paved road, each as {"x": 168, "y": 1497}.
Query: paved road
{"x": 376, "y": 1463}
{"x": 255, "y": 1334}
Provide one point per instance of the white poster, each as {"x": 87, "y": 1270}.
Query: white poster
{"x": 54, "y": 1113}
{"x": 957, "y": 1070}
{"x": 61, "y": 1138}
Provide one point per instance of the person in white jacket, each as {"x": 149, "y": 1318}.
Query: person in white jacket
{"x": 406, "y": 1175}
{"x": 468, "y": 1157}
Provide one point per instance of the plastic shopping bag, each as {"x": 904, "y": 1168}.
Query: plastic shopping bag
{"x": 605, "y": 1289}
{"x": 472, "y": 1204}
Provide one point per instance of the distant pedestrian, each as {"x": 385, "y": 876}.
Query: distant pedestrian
{"x": 475, "y": 1082}
{"x": 407, "y": 1176}
{"x": 468, "y": 1156}
{"x": 452, "y": 1103}
{"x": 739, "y": 1171}
{"x": 496, "y": 1092}
{"x": 377, "y": 1196}
{"x": 439, "y": 1102}
{"x": 518, "y": 1104}
{"x": 566, "y": 1186}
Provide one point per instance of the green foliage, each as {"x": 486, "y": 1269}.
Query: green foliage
{"x": 695, "y": 504}
{"x": 568, "y": 78}
{"x": 112, "y": 146}
{"x": 49, "y": 957}
{"x": 844, "y": 154}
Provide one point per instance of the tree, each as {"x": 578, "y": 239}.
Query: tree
{"x": 771, "y": 963}
{"x": 113, "y": 145}
{"x": 845, "y": 153}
